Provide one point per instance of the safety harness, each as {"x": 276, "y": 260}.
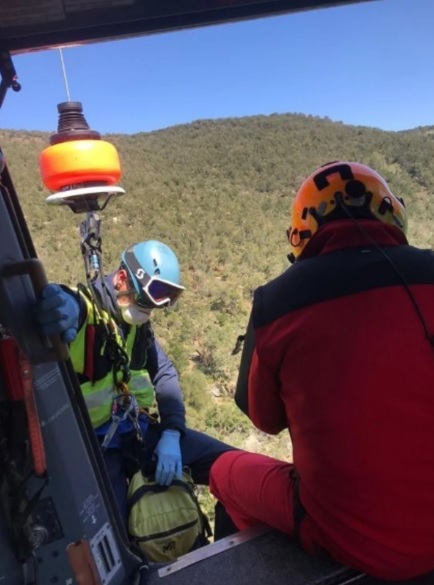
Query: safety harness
{"x": 124, "y": 405}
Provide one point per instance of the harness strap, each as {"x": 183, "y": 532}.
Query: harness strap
{"x": 117, "y": 355}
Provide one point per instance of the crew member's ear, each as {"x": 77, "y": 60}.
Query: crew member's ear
{"x": 120, "y": 279}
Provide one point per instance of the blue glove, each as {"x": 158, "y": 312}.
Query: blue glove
{"x": 168, "y": 452}
{"x": 57, "y": 313}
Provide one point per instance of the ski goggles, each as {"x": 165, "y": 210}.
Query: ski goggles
{"x": 155, "y": 292}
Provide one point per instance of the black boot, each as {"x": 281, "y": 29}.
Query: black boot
{"x": 223, "y": 525}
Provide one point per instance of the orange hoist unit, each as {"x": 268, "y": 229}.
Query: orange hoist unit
{"x": 82, "y": 170}
{"x": 18, "y": 379}
{"x": 80, "y": 167}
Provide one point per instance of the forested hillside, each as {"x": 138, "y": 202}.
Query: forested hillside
{"x": 219, "y": 192}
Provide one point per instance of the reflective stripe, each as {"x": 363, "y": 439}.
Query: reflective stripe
{"x": 141, "y": 386}
{"x": 95, "y": 397}
{"x": 99, "y": 397}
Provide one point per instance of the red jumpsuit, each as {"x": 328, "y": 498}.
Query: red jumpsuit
{"x": 337, "y": 353}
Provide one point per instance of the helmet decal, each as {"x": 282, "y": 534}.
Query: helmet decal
{"x": 343, "y": 169}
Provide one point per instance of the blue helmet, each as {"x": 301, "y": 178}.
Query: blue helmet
{"x": 155, "y": 274}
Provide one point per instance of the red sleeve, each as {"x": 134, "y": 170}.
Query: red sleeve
{"x": 266, "y": 409}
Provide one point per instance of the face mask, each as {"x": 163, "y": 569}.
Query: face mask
{"x": 133, "y": 315}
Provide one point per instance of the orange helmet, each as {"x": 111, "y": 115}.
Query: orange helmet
{"x": 341, "y": 190}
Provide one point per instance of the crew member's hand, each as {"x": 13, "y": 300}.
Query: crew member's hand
{"x": 169, "y": 460}
{"x": 57, "y": 313}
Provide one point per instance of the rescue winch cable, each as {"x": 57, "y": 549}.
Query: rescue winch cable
{"x": 65, "y": 77}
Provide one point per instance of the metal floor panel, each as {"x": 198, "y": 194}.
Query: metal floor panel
{"x": 268, "y": 558}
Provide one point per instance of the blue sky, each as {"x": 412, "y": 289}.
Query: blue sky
{"x": 370, "y": 64}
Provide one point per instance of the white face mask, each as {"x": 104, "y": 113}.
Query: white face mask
{"x": 133, "y": 315}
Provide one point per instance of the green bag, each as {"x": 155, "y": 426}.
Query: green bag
{"x": 166, "y": 522}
